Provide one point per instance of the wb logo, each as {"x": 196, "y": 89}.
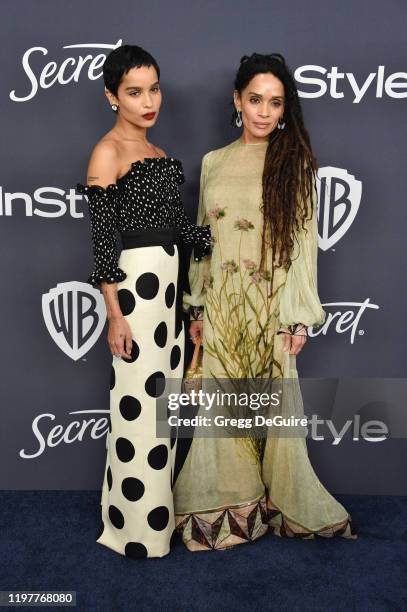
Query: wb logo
{"x": 75, "y": 314}
{"x": 339, "y": 199}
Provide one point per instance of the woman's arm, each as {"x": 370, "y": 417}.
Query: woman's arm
{"x": 199, "y": 268}
{"x": 103, "y": 193}
{"x": 299, "y": 301}
{"x": 101, "y": 190}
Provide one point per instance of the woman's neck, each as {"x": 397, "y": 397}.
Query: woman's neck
{"x": 258, "y": 142}
{"x": 248, "y": 139}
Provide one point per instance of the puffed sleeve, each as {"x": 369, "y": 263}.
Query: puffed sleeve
{"x": 198, "y": 236}
{"x": 199, "y": 269}
{"x": 299, "y": 301}
{"x": 102, "y": 204}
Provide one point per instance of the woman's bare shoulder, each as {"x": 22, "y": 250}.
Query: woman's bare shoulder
{"x": 104, "y": 162}
{"x": 108, "y": 146}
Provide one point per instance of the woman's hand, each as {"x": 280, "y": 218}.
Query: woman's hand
{"x": 294, "y": 342}
{"x": 196, "y": 331}
{"x": 119, "y": 337}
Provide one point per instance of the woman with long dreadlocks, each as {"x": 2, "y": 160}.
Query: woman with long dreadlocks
{"x": 253, "y": 298}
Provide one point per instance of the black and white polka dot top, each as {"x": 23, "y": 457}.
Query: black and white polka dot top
{"x": 146, "y": 196}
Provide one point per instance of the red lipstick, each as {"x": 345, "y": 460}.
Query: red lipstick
{"x": 149, "y": 116}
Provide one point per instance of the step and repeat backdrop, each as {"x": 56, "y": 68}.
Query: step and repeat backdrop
{"x": 350, "y": 66}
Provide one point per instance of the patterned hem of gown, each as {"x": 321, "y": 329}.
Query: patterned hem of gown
{"x": 282, "y": 526}
{"x": 225, "y": 528}
{"x": 229, "y": 527}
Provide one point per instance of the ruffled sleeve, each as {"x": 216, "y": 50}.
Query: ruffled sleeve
{"x": 177, "y": 170}
{"x": 192, "y": 235}
{"x": 103, "y": 213}
{"x": 200, "y": 264}
{"x": 299, "y": 300}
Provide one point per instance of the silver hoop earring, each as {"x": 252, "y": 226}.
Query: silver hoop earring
{"x": 281, "y": 126}
{"x": 238, "y": 120}
{"x": 114, "y": 107}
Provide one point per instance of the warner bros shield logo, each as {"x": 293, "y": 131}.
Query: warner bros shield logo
{"x": 75, "y": 314}
{"x": 339, "y": 199}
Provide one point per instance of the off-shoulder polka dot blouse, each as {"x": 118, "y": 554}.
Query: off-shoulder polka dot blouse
{"x": 146, "y": 196}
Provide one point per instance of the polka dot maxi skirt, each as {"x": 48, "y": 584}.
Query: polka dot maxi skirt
{"x": 137, "y": 502}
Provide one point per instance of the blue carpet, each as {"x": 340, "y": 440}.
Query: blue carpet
{"x": 47, "y": 541}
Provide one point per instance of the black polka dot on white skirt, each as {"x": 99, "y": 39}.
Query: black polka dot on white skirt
{"x": 137, "y": 502}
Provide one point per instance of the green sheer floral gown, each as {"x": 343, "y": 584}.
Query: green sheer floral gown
{"x": 226, "y": 493}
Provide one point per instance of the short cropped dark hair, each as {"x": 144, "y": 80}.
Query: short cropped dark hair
{"x": 121, "y": 60}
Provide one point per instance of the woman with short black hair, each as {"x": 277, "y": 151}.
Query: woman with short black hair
{"x": 133, "y": 187}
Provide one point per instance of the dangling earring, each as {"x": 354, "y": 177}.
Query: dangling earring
{"x": 238, "y": 120}
{"x": 114, "y": 107}
{"x": 281, "y": 126}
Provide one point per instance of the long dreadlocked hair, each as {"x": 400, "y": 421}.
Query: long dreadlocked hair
{"x": 289, "y": 174}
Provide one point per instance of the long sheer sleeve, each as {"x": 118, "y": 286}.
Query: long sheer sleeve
{"x": 199, "y": 269}
{"x": 299, "y": 301}
{"x": 102, "y": 212}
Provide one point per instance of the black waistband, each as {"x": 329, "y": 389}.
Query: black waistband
{"x": 150, "y": 236}
{"x": 163, "y": 236}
